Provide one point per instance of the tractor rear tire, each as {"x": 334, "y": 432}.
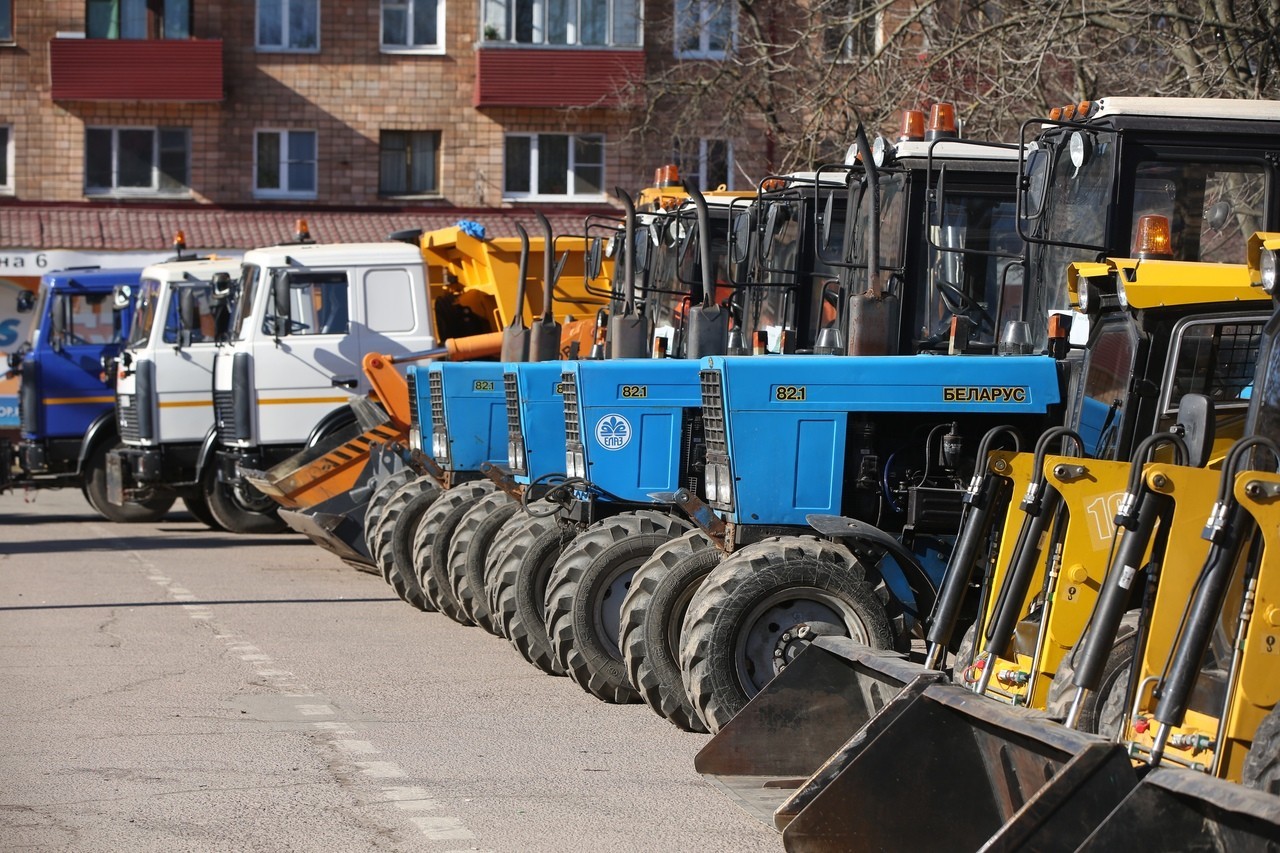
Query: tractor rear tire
{"x": 585, "y": 594}
{"x": 652, "y": 618}
{"x": 1103, "y": 710}
{"x": 404, "y": 576}
{"x": 469, "y": 550}
{"x": 756, "y": 602}
{"x": 382, "y": 493}
{"x": 1261, "y": 769}
{"x": 241, "y": 508}
{"x": 523, "y": 570}
{"x": 431, "y": 545}
{"x": 95, "y": 491}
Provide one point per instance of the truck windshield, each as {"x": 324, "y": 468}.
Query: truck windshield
{"x": 144, "y": 312}
{"x": 250, "y": 275}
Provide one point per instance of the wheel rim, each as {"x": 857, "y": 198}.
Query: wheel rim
{"x": 770, "y": 630}
{"x": 606, "y": 604}
{"x": 250, "y": 499}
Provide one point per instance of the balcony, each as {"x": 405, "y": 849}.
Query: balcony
{"x": 168, "y": 70}
{"x": 519, "y": 76}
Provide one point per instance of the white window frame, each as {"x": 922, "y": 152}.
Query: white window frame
{"x": 285, "y": 192}
{"x": 437, "y": 49}
{"x": 700, "y": 174}
{"x": 154, "y": 190}
{"x": 6, "y": 187}
{"x": 846, "y": 53}
{"x": 284, "y": 29}
{"x": 573, "y": 38}
{"x": 704, "y": 10}
{"x": 533, "y": 194}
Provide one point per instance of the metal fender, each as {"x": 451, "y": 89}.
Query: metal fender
{"x": 208, "y": 448}
{"x": 102, "y": 429}
{"x": 851, "y": 532}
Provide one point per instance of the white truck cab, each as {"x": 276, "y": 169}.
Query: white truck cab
{"x": 164, "y": 403}
{"x": 306, "y": 314}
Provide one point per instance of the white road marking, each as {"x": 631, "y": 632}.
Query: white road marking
{"x": 362, "y": 747}
{"x": 379, "y": 769}
{"x": 442, "y": 828}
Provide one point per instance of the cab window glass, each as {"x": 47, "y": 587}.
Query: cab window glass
{"x": 205, "y": 330}
{"x": 249, "y": 278}
{"x": 91, "y": 319}
{"x": 1212, "y": 208}
{"x": 1108, "y": 371}
{"x": 318, "y": 304}
{"x": 1216, "y": 359}
{"x": 144, "y": 312}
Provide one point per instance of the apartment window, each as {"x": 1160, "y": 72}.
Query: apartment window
{"x": 289, "y": 25}
{"x": 553, "y": 165}
{"x": 136, "y": 160}
{"x": 138, "y": 19}
{"x": 602, "y": 23}
{"x": 413, "y": 25}
{"x": 409, "y": 162}
{"x": 704, "y": 28}
{"x": 852, "y": 29}
{"x": 284, "y": 163}
{"x": 6, "y": 20}
{"x": 708, "y": 163}
{"x": 6, "y": 159}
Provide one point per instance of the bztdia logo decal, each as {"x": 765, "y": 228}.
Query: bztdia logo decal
{"x": 613, "y": 432}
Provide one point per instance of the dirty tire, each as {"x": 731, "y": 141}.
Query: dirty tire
{"x": 964, "y": 657}
{"x": 199, "y": 509}
{"x": 1103, "y": 710}
{"x": 470, "y": 547}
{"x": 378, "y": 500}
{"x": 498, "y": 551}
{"x": 753, "y": 600}
{"x": 431, "y": 545}
{"x": 585, "y": 594}
{"x": 652, "y": 618}
{"x": 390, "y": 512}
{"x": 241, "y": 509}
{"x": 404, "y": 577}
{"x": 1261, "y": 769}
{"x": 95, "y": 491}
{"x": 524, "y": 568}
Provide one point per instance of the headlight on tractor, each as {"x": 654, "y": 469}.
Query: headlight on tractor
{"x": 515, "y": 455}
{"x": 719, "y": 483}
{"x": 415, "y": 437}
{"x": 439, "y": 445}
{"x": 1267, "y": 266}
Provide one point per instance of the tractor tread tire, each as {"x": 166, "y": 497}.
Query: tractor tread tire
{"x": 431, "y": 545}
{"x": 470, "y": 548}
{"x": 655, "y": 606}
{"x": 522, "y": 569}
{"x": 393, "y": 538}
{"x": 746, "y": 578}
{"x": 378, "y": 500}
{"x": 383, "y": 530}
{"x": 1261, "y": 769}
{"x": 1115, "y": 675}
{"x": 494, "y": 560}
{"x": 577, "y": 587}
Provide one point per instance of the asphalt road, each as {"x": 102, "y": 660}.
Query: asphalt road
{"x": 170, "y": 688}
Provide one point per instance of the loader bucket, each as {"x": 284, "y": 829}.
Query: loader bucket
{"x": 792, "y": 726}
{"x": 948, "y": 770}
{"x": 336, "y": 523}
{"x": 1175, "y": 810}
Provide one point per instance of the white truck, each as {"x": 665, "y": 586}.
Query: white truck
{"x": 305, "y": 316}
{"x": 164, "y": 404}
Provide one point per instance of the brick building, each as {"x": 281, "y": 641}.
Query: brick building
{"x": 121, "y": 112}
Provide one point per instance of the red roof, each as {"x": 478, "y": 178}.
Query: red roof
{"x": 128, "y": 228}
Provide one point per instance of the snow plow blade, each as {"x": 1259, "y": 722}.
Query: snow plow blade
{"x": 1174, "y": 809}
{"x": 792, "y": 727}
{"x": 994, "y": 776}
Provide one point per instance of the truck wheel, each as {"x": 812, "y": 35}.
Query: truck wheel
{"x": 469, "y": 549}
{"x": 199, "y": 507}
{"x": 652, "y": 617}
{"x": 382, "y": 493}
{"x": 524, "y": 568}
{"x": 431, "y": 545}
{"x": 1261, "y": 769}
{"x": 760, "y": 607}
{"x": 585, "y": 593}
{"x": 1103, "y": 710}
{"x": 95, "y": 491}
{"x": 404, "y": 577}
{"x": 241, "y": 508}
{"x": 382, "y": 543}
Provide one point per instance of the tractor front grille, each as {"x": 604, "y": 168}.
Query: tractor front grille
{"x": 127, "y": 418}
{"x": 713, "y": 429}
{"x": 511, "y": 385}
{"x": 435, "y": 388}
{"x": 411, "y": 379}
{"x": 569, "y": 390}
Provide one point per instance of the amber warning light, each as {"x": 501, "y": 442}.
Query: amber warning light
{"x": 1151, "y": 238}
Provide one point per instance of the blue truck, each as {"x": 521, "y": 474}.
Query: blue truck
{"x": 66, "y": 371}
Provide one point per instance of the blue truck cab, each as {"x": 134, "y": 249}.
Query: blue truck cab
{"x": 66, "y": 371}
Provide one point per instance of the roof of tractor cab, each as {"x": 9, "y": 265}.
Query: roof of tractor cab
{"x": 1191, "y": 108}
{"x": 199, "y": 269}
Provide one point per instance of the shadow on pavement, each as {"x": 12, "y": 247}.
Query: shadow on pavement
{"x": 199, "y": 603}
{"x": 145, "y": 542}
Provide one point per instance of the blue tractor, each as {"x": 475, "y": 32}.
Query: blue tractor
{"x": 66, "y": 370}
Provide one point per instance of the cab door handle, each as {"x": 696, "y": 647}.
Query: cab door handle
{"x": 345, "y": 382}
